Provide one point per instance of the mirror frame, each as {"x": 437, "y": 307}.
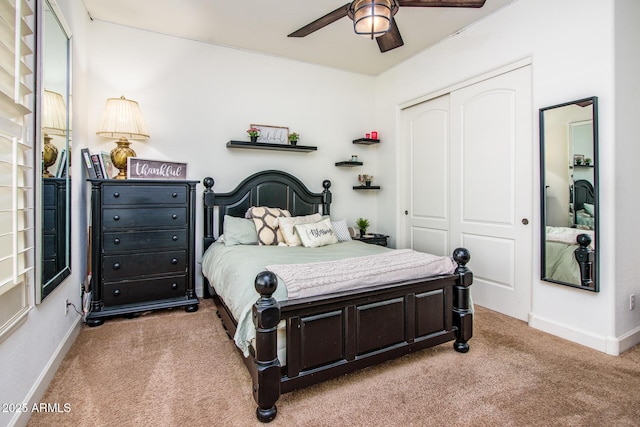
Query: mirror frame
{"x": 43, "y": 289}
{"x": 594, "y": 286}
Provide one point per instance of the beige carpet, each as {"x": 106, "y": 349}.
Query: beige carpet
{"x": 173, "y": 368}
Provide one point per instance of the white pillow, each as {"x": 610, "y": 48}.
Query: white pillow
{"x": 341, "y": 230}
{"x": 286, "y": 224}
{"x": 316, "y": 234}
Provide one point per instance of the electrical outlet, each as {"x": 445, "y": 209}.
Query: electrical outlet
{"x": 632, "y": 302}
{"x": 66, "y": 306}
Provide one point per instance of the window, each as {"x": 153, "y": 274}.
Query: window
{"x": 17, "y": 215}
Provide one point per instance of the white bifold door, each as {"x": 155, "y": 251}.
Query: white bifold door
{"x": 469, "y": 161}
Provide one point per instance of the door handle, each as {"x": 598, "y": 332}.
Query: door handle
{"x": 525, "y": 221}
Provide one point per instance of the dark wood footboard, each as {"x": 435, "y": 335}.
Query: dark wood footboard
{"x": 337, "y": 334}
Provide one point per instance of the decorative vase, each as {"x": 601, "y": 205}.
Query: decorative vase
{"x": 367, "y": 183}
{"x": 293, "y": 142}
{"x": 363, "y": 231}
{"x": 253, "y": 139}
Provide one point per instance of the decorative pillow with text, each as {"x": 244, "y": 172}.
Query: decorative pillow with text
{"x": 286, "y": 224}
{"x": 316, "y": 234}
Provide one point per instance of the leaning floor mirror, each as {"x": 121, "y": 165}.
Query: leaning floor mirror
{"x": 53, "y": 124}
{"x": 569, "y": 193}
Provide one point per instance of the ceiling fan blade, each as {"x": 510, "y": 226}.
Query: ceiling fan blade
{"x": 327, "y": 19}
{"x": 441, "y": 3}
{"x": 391, "y": 39}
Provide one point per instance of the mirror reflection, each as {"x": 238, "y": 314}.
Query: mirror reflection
{"x": 55, "y": 131}
{"x": 569, "y": 175}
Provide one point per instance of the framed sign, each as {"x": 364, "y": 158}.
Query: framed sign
{"x": 155, "y": 169}
{"x": 272, "y": 134}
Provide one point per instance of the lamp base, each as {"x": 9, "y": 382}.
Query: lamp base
{"x": 49, "y": 156}
{"x": 119, "y": 157}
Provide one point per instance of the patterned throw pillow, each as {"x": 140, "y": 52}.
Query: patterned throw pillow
{"x": 341, "y": 230}
{"x": 286, "y": 225}
{"x": 316, "y": 234}
{"x": 266, "y": 221}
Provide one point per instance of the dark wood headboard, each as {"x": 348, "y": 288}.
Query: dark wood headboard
{"x": 275, "y": 189}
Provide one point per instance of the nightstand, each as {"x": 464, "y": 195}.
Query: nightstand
{"x": 374, "y": 239}
{"x": 143, "y": 247}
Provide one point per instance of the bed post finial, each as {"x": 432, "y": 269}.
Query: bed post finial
{"x": 462, "y": 313}
{"x": 208, "y": 198}
{"x": 266, "y": 316}
{"x": 585, "y": 257}
{"x": 326, "y": 197}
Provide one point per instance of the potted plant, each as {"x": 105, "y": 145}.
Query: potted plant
{"x": 362, "y": 224}
{"x": 587, "y": 161}
{"x": 293, "y": 138}
{"x": 253, "y": 133}
{"x": 365, "y": 179}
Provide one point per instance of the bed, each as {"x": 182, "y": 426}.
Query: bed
{"x": 569, "y": 253}
{"x": 298, "y": 341}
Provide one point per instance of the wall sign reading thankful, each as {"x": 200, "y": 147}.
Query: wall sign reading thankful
{"x": 155, "y": 169}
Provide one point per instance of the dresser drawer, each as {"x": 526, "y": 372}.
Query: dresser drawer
{"x": 144, "y": 195}
{"x": 144, "y": 240}
{"x": 134, "y": 265}
{"x": 136, "y": 291}
{"x": 115, "y": 218}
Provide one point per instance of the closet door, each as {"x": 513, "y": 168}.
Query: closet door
{"x": 426, "y": 129}
{"x": 469, "y": 161}
{"x": 491, "y": 188}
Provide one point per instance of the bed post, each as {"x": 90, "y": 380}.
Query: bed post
{"x": 326, "y": 197}
{"x": 585, "y": 257}
{"x": 462, "y": 314}
{"x": 266, "y": 316}
{"x": 208, "y": 198}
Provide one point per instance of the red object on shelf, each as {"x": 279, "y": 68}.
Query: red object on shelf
{"x": 374, "y": 134}
{"x": 367, "y": 135}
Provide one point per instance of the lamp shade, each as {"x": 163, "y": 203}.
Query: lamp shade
{"x": 54, "y": 113}
{"x": 372, "y": 17}
{"x": 122, "y": 118}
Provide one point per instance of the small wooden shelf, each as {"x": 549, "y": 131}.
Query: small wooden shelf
{"x": 349, "y": 163}
{"x": 268, "y": 146}
{"x": 366, "y": 141}
{"x": 364, "y": 187}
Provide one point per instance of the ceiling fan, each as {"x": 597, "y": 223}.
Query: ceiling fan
{"x": 375, "y": 18}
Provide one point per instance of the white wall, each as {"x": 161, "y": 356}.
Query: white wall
{"x": 627, "y": 232}
{"x": 570, "y": 46}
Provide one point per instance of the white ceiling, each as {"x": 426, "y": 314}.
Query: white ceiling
{"x": 262, "y": 26}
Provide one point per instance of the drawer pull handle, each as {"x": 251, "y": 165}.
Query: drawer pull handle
{"x": 116, "y": 217}
{"x": 116, "y": 266}
{"x": 174, "y": 216}
{"x": 116, "y": 194}
{"x": 174, "y": 238}
{"x": 174, "y": 261}
{"x": 174, "y": 195}
{"x": 116, "y": 241}
{"x": 116, "y": 292}
{"x": 174, "y": 286}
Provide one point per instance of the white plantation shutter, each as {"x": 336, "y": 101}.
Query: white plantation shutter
{"x": 17, "y": 198}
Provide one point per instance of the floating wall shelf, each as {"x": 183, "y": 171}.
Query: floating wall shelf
{"x": 268, "y": 146}
{"x": 349, "y": 164}
{"x": 364, "y": 187}
{"x": 366, "y": 141}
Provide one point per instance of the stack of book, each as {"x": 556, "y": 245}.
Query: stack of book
{"x": 98, "y": 166}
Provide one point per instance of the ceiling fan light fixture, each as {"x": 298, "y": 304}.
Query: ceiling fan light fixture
{"x": 372, "y": 17}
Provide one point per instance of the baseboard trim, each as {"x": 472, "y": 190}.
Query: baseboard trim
{"x": 40, "y": 386}
{"x": 579, "y": 336}
{"x": 628, "y": 340}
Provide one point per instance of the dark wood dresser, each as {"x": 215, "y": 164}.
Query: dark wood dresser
{"x": 143, "y": 247}
{"x": 54, "y": 240}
